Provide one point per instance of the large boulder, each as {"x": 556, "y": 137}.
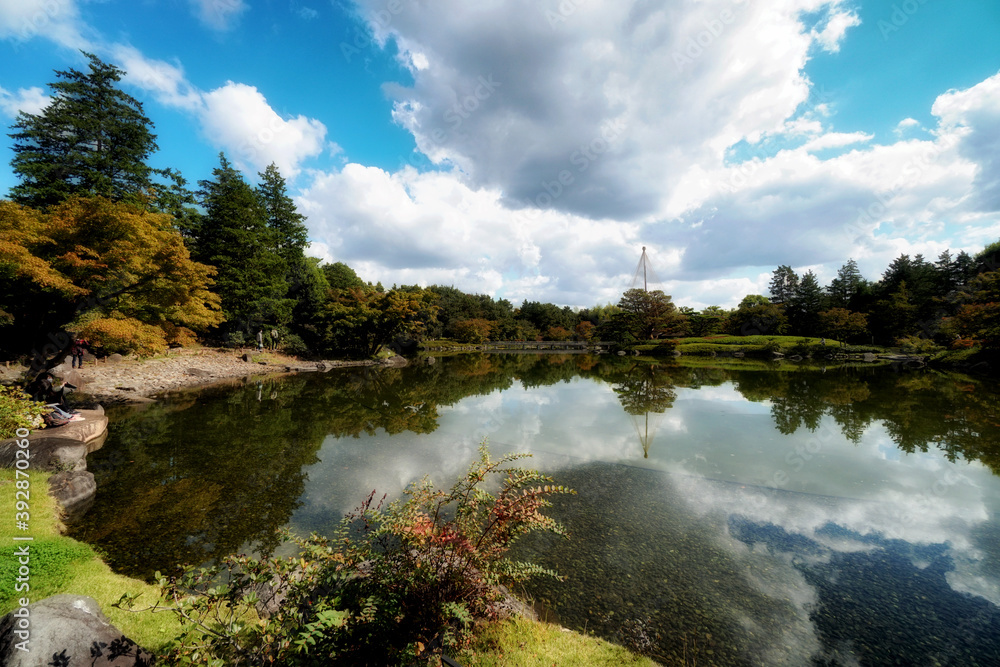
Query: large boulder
{"x": 74, "y": 491}
{"x": 65, "y": 630}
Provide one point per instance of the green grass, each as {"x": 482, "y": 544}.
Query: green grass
{"x": 524, "y": 643}
{"x": 61, "y": 564}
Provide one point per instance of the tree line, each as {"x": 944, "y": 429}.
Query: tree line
{"x": 96, "y": 242}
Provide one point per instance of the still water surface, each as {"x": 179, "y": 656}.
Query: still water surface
{"x": 822, "y": 516}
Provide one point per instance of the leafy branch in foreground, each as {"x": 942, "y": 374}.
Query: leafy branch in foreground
{"x": 397, "y": 584}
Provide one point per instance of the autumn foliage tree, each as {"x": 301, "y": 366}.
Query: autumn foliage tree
{"x": 88, "y": 259}
{"x": 979, "y": 315}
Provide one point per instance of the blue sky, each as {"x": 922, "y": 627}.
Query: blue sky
{"x": 529, "y": 149}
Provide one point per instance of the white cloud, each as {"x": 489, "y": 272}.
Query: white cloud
{"x": 56, "y": 20}
{"x": 906, "y": 124}
{"x": 715, "y": 240}
{"x": 411, "y": 227}
{"x": 836, "y": 140}
{"x": 165, "y": 80}
{"x": 836, "y": 27}
{"x": 29, "y": 100}
{"x": 973, "y": 117}
{"x": 218, "y": 14}
{"x": 516, "y": 99}
{"x": 237, "y": 117}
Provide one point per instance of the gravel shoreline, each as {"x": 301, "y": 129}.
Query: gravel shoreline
{"x": 135, "y": 381}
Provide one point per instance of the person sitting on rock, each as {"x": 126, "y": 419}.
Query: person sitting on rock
{"x": 42, "y": 389}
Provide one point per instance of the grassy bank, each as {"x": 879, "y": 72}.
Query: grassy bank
{"x": 524, "y": 643}
{"x": 60, "y": 564}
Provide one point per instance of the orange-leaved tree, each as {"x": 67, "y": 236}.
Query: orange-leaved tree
{"x": 90, "y": 259}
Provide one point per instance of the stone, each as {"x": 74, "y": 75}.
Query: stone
{"x": 115, "y": 358}
{"x": 197, "y": 372}
{"x": 74, "y": 491}
{"x": 430, "y": 361}
{"x": 868, "y": 356}
{"x": 66, "y": 630}
{"x": 62, "y": 369}
{"x": 61, "y": 448}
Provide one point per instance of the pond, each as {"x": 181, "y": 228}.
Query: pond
{"x": 746, "y": 515}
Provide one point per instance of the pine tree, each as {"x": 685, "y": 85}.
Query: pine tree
{"x": 807, "y": 302}
{"x": 846, "y": 285}
{"x": 283, "y": 218}
{"x": 92, "y": 139}
{"x": 235, "y": 238}
{"x": 784, "y": 282}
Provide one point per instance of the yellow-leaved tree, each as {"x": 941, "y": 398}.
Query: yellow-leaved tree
{"x": 93, "y": 265}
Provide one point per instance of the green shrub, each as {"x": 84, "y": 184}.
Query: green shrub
{"x": 17, "y": 410}
{"x": 918, "y": 345}
{"x": 396, "y": 584}
{"x": 236, "y": 339}
{"x": 293, "y": 344}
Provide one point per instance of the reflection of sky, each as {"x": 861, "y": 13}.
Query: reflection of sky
{"x": 725, "y": 458}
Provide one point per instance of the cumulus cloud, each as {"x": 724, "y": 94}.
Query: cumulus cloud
{"x": 839, "y": 22}
{"x": 618, "y": 99}
{"x": 56, "y": 20}
{"x": 973, "y": 116}
{"x": 411, "y": 227}
{"x": 235, "y": 117}
{"x": 29, "y": 100}
{"x": 238, "y": 117}
{"x": 716, "y": 239}
{"x": 218, "y": 14}
{"x": 166, "y": 81}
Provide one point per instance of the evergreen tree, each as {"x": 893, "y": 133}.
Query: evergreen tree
{"x": 284, "y": 220}
{"x": 846, "y": 285}
{"x": 784, "y": 282}
{"x": 92, "y": 139}
{"x": 235, "y": 238}
{"x": 805, "y": 306}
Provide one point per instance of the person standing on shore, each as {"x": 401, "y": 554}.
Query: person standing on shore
{"x": 78, "y": 350}
{"x": 260, "y": 340}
